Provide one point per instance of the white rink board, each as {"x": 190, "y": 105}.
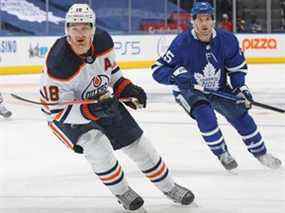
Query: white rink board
{"x": 31, "y": 51}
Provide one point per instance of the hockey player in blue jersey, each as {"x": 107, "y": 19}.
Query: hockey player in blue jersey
{"x": 208, "y": 57}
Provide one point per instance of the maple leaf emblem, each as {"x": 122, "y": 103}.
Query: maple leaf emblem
{"x": 210, "y": 78}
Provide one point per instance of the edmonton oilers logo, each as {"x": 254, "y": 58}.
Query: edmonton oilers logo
{"x": 97, "y": 81}
{"x": 97, "y": 85}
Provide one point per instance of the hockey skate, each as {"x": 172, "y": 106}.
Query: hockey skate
{"x": 269, "y": 161}
{"x": 131, "y": 201}
{"x": 180, "y": 194}
{"x": 228, "y": 161}
{"x": 4, "y": 112}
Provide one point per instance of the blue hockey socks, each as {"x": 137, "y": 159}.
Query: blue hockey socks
{"x": 211, "y": 133}
{"x": 247, "y": 128}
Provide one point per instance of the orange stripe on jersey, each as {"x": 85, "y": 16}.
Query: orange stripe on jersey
{"x": 44, "y": 104}
{"x": 88, "y": 114}
{"x": 61, "y": 136}
{"x": 122, "y": 86}
{"x": 114, "y": 176}
{"x": 58, "y": 115}
{"x": 158, "y": 173}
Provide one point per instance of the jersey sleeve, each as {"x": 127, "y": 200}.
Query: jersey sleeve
{"x": 163, "y": 68}
{"x": 235, "y": 63}
{"x": 116, "y": 72}
{"x": 53, "y": 91}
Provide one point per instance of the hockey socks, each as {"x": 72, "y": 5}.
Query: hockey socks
{"x": 208, "y": 126}
{"x": 247, "y": 128}
{"x": 150, "y": 163}
{"x": 99, "y": 153}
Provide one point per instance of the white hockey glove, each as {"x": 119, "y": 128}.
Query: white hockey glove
{"x": 244, "y": 93}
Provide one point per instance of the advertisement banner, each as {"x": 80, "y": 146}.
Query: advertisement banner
{"x": 24, "y": 51}
{"x": 141, "y": 47}
{"x": 262, "y": 45}
{"x": 27, "y": 54}
{"x": 8, "y": 50}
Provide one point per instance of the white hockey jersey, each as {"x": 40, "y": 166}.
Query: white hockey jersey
{"x": 67, "y": 76}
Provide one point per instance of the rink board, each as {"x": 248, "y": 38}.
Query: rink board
{"x": 25, "y": 55}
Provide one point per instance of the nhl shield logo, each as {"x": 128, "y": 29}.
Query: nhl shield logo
{"x": 90, "y": 59}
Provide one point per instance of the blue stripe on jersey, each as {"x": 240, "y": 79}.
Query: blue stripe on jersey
{"x": 161, "y": 178}
{"x": 55, "y": 111}
{"x": 207, "y": 123}
{"x": 247, "y": 128}
{"x": 44, "y": 111}
{"x": 109, "y": 171}
{"x": 116, "y": 181}
{"x": 115, "y": 70}
{"x": 153, "y": 168}
{"x": 64, "y": 116}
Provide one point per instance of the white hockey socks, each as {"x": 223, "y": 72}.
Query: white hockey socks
{"x": 99, "y": 153}
{"x": 150, "y": 163}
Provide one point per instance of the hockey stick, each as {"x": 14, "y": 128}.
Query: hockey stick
{"x": 131, "y": 99}
{"x": 237, "y": 99}
{"x": 266, "y": 106}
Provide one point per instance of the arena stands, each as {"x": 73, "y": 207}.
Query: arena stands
{"x": 28, "y": 17}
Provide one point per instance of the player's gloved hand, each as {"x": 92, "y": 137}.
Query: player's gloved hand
{"x": 182, "y": 78}
{"x": 105, "y": 108}
{"x": 125, "y": 89}
{"x": 244, "y": 93}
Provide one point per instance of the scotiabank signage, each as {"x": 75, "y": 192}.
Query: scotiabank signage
{"x": 261, "y": 43}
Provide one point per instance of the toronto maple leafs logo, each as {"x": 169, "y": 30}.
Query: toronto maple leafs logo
{"x": 210, "y": 78}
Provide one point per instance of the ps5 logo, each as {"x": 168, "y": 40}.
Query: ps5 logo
{"x": 127, "y": 47}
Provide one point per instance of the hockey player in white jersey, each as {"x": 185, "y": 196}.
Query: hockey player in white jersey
{"x": 82, "y": 66}
{"x": 4, "y": 112}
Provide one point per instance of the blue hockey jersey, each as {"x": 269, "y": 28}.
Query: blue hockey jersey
{"x": 208, "y": 64}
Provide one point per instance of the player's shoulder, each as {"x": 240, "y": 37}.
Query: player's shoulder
{"x": 182, "y": 39}
{"x": 225, "y": 36}
{"x": 62, "y": 63}
{"x": 102, "y": 41}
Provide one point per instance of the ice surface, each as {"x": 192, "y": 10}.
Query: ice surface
{"x": 39, "y": 174}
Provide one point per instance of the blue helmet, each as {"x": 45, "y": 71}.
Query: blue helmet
{"x": 202, "y": 7}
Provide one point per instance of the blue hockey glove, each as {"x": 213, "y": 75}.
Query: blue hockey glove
{"x": 182, "y": 78}
{"x": 245, "y": 93}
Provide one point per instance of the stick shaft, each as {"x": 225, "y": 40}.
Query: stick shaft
{"x": 238, "y": 100}
{"x": 64, "y": 102}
